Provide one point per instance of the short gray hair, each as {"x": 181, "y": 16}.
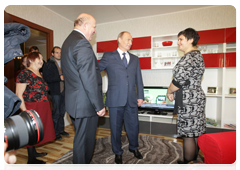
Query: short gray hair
{"x": 121, "y": 34}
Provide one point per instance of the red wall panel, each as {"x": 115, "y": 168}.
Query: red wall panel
{"x": 141, "y": 43}
{"x": 145, "y": 62}
{"x": 214, "y": 60}
{"x": 230, "y": 60}
{"x": 230, "y": 35}
{"x": 211, "y": 36}
{"x": 105, "y": 46}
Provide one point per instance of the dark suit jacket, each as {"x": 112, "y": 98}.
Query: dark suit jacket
{"x": 52, "y": 77}
{"x": 83, "y": 81}
{"x": 124, "y": 84}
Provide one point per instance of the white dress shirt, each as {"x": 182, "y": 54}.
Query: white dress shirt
{"x": 80, "y": 32}
{"x": 121, "y": 55}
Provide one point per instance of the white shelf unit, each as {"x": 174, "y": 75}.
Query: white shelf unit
{"x": 211, "y": 48}
{"x": 157, "y": 118}
{"x": 231, "y": 47}
{"x": 141, "y": 52}
{"x": 165, "y": 57}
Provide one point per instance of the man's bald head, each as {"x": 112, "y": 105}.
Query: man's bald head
{"x": 86, "y": 24}
{"x": 82, "y": 18}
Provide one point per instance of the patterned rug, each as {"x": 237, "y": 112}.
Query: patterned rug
{"x": 154, "y": 151}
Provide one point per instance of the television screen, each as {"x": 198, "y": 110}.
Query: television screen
{"x": 155, "y": 98}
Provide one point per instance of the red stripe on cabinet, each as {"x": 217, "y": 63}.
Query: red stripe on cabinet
{"x": 211, "y": 36}
{"x": 230, "y": 35}
{"x": 106, "y": 46}
{"x": 141, "y": 43}
{"x": 214, "y": 60}
{"x": 145, "y": 62}
{"x": 230, "y": 60}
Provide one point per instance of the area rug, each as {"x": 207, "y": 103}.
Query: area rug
{"x": 154, "y": 151}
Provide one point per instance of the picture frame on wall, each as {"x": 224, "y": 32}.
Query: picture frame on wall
{"x": 232, "y": 90}
{"x": 212, "y": 90}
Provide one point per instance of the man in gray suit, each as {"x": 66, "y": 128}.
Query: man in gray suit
{"x": 83, "y": 87}
{"x": 125, "y": 94}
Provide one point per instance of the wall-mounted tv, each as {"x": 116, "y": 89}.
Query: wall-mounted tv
{"x": 156, "y": 101}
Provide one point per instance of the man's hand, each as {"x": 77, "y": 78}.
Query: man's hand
{"x": 101, "y": 112}
{"x": 140, "y": 102}
{"x": 62, "y": 77}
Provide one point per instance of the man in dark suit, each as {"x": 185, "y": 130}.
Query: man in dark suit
{"x": 124, "y": 95}
{"x": 52, "y": 74}
{"x": 83, "y": 87}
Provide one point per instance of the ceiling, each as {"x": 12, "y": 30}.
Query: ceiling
{"x": 112, "y": 13}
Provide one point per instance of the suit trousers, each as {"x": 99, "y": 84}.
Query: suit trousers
{"x": 58, "y": 112}
{"x": 130, "y": 117}
{"x": 84, "y": 139}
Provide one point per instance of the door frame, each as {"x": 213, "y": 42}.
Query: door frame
{"x": 49, "y": 32}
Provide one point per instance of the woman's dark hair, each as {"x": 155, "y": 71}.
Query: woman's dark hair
{"x": 32, "y": 57}
{"x": 190, "y": 33}
{"x": 33, "y": 48}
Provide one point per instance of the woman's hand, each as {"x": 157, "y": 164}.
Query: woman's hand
{"x": 170, "y": 97}
{"x": 20, "y": 88}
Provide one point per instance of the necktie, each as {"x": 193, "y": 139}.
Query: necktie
{"x": 124, "y": 59}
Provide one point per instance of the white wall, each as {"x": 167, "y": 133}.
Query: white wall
{"x": 200, "y": 19}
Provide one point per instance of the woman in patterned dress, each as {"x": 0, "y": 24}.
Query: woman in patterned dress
{"x": 189, "y": 97}
{"x": 32, "y": 90}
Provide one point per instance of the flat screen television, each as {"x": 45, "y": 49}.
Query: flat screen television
{"x": 156, "y": 101}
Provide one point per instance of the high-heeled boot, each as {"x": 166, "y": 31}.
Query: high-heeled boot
{"x": 37, "y": 154}
{"x": 32, "y": 161}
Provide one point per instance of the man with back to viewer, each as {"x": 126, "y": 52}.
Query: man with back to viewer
{"x": 83, "y": 87}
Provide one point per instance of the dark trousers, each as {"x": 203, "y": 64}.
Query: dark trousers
{"x": 58, "y": 112}
{"x": 130, "y": 117}
{"x": 84, "y": 139}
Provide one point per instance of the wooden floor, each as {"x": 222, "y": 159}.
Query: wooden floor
{"x": 58, "y": 148}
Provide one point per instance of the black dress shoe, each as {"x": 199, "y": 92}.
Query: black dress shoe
{"x": 40, "y": 154}
{"x": 36, "y": 161}
{"x": 118, "y": 159}
{"x": 64, "y": 133}
{"x": 136, "y": 153}
{"x": 58, "y": 137}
